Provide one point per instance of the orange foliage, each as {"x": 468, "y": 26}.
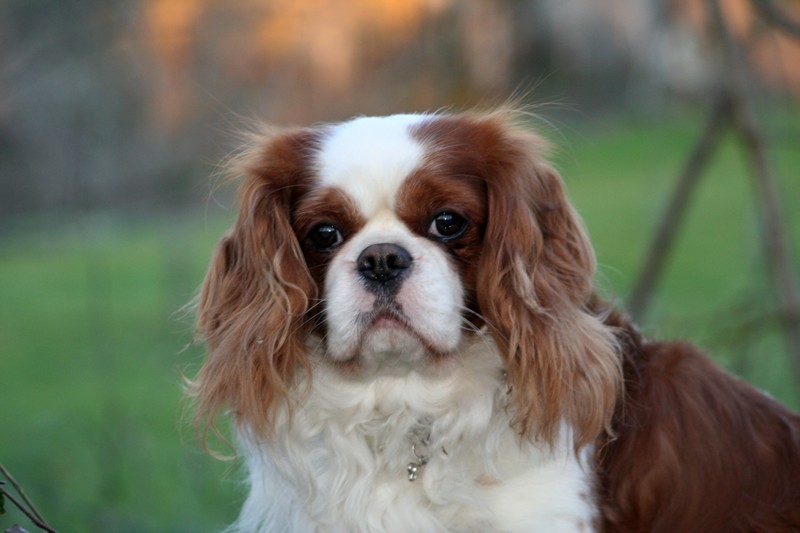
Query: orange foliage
{"x": 328, "y": 35}
{"x": 170, "y": 24}
{"x": 774, "y": 55}
{"x": 324, "y": 39}
{"x": 322, "y": 48}
{"x": 169, "y": 27}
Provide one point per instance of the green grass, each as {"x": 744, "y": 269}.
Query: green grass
{"x": 92, "y": 423}
{"x": 92, "y": 346}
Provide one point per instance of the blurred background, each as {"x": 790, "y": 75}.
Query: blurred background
{"x": 115, "y": 115}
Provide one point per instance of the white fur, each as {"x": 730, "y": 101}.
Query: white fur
{"x": 339, "y": 464}
{"x": 369, "y": 157}
{"x": 430, "y": 298}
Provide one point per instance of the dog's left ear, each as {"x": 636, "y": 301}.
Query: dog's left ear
{"x": 535, "y": 284}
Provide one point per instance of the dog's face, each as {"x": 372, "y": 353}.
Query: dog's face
{"x": 383, "y": 246}
{"x": 392, "y": 241}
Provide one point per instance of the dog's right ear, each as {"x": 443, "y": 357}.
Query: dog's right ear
{"x": 254, "y": 299}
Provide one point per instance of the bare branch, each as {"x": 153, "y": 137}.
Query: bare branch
{"x": 21, "y": 506}
{"x": 775, "y": 239}
{"x": 26, "y": 506}
{"x": 668, "y": 227}
{"x": 20, "y": 491}
{"x": 733, "y": 108}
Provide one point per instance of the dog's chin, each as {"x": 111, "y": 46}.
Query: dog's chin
{"x": 391, "y": 347}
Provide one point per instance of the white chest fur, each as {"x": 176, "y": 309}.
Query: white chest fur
{"x": 341, "y": 465}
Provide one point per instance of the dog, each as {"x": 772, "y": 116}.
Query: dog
{"x": 404, "y": 328}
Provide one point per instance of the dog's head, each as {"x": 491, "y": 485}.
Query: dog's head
{"x": 388, "y": 245}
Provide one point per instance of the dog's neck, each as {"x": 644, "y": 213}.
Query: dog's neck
{"x": 435, "y": 444}
{"x": 409, "y": 418}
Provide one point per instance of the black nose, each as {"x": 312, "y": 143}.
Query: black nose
{"x": 383, "y": 265}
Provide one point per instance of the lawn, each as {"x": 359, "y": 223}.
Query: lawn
{"x": 93, "y": 345}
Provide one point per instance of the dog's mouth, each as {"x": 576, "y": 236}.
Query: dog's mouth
{"x": 386, "y": 316}
{"x": 388, "y": 342}
{"x": 388, "y": 330}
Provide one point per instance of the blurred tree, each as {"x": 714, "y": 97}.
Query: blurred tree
{"x": 109, "y": 102}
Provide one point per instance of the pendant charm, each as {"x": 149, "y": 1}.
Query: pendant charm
{"x": 413, "y": 468}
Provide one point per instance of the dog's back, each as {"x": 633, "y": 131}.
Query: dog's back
{"x": 696, "y": 448}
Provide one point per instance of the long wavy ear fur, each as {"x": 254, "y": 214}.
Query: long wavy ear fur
{"x": 535, "y": 282}
{"x": 254, "y": 299}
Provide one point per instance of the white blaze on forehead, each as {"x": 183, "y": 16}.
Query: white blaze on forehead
{"x": 368, "y": 158}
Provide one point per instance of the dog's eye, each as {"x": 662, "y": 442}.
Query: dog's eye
{"x": 447, "y": 225}
{"x": 325, "y": 237}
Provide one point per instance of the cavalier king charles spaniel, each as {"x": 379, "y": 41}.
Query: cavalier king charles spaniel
{"x": 404, "y": 327}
